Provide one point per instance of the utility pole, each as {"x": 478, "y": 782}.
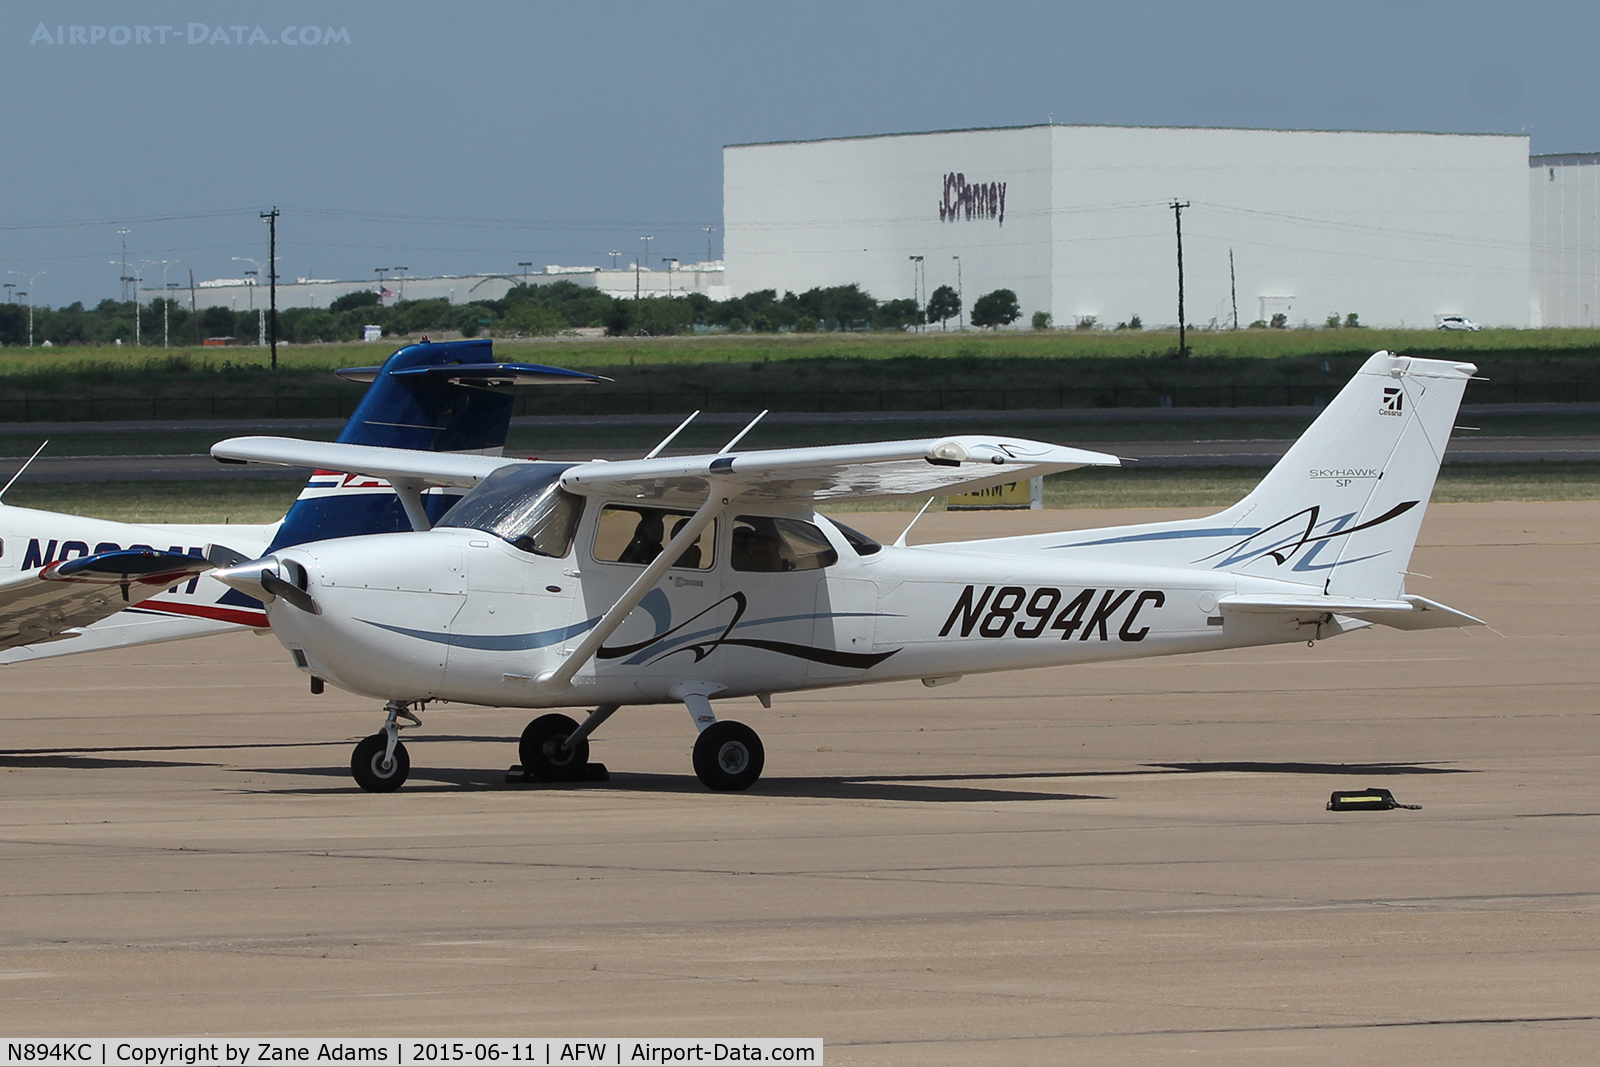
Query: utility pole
{"x": 1177, "y": 216}
{"x": 1233, "y": 290}
{"x": 709, "y": 231}
{"x": 272, "y": 275}
{"x": 194, "y": 312}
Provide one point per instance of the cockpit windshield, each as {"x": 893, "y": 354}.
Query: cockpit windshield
{"x": 523, "y": 505}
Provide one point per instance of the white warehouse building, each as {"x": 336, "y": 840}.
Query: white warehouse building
{"x": 1399, "y": 228}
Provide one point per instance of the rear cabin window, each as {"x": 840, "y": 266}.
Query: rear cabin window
{"x": 766, "y": 544}
{"x": 630, "y": 533}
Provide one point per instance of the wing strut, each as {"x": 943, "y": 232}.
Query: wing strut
{"x": 559, "y": 678}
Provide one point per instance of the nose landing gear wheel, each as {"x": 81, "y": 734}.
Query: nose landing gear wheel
{"x": 728, "y": 756}
{"x": 366, "y": 765}
{"x": 541, "y": 752}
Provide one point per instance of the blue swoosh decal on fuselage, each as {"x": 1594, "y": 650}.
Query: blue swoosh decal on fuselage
{"x": 494, "y": 642}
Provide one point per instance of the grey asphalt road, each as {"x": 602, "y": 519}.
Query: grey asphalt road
{"x": 1119, "y": 864}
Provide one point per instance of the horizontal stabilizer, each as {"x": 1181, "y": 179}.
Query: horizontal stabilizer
{"x": 1404, "y": 613}
{"x": 480, "y": 375}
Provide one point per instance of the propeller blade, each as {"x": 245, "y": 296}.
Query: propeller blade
{"x": 290, "y": 592}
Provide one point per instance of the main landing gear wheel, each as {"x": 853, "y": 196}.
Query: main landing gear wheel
{"x": 541, "y": 752}
{"x": 728, "y": 756}
{"x": 367, "y": 764}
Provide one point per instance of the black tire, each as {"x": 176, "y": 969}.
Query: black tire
{"x": 366, "y": 765}
{"x": 541, "y": 752}
{"x": 728, "y": 756}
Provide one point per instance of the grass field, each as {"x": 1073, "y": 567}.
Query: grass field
{"x": 590, "y": 353}
{"x": 240, "y": 500}
{"x": 836, "y": 373}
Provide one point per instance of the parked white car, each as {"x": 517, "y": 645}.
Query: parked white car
{"x": 1457, "y": 322}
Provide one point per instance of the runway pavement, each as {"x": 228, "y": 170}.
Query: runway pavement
{"x": 1117, "y": 864}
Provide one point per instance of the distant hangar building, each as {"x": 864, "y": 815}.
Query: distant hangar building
{"x": 1399, "y": 228}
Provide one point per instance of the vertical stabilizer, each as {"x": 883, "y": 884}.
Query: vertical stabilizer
{"x": 441, "y": 397}
{"x": 1342, "y": 509}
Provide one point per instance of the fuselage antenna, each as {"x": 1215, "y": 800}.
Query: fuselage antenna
{"x": 24, "y": 467}
{"x": 740, "y": 435}
{"x": 900, "y": 542}
{"x": 667, "y": 440}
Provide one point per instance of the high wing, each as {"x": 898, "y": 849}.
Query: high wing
{"x": 45, "y": 604}
{"x": 391, "y": 464}
{"x": 833, "y": 472}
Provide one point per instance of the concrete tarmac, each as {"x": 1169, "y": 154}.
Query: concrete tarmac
{"x": 1116, "y": 864}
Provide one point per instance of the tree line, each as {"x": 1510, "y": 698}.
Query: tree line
{"x": 525, "y": 311}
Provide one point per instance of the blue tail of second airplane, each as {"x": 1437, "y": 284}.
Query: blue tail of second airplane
{"x": 443, "y": 397}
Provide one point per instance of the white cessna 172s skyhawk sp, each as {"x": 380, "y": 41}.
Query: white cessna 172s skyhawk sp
{"x": 702, "y": 578}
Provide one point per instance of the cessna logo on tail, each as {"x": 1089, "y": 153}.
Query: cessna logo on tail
{"x": 1393, "y": 401}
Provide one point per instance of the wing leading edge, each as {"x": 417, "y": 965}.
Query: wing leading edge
{"x": 830, "y": 472}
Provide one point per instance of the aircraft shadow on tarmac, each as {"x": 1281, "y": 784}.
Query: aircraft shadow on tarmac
{"x": 929, "y": 788}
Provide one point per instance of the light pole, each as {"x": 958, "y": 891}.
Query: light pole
{"x": 125, "y": 279}
{"x": 137, "y": 279}
{"x": 380, "y": 272}
{"x": 525, "y": 265}
{"x": 9, "y": 286}
{"x": 709, "y": 231}
{"x": 166, "y": 309}
{"x": 669, "y": 262}
{"x": 961, "y": 322}
{"x": 916, "y": 272}
{"x": 29, "y": 295}
{"x": 261, "y": 313}
{"x": 167, "y": 287}
{"x": 638, "y": 264}
{"x": 400, "y": 273}
{"x": 614, "y": 255}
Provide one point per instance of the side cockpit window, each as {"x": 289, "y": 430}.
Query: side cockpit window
{"x": 628, "y": 533}
{"x": 768, "y": 544}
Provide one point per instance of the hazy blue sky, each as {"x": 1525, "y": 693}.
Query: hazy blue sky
{"x": 456, "y": 138}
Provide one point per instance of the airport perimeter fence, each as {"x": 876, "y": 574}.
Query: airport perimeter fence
{"x": 585, "y": 400}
